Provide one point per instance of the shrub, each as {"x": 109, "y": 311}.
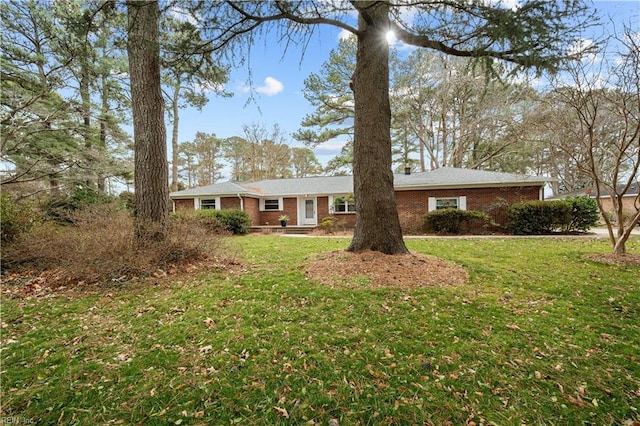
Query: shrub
{"x": 455, "y": 221}
{"x": 538, "y": 217}
{"x": 411, "y": 223}
{"x": 206, "y": 220}
{"x": 328, "y": 224}
{"x": 128, "y": 200}
{"x": 233, "y": 221}
{"x": 99, "y": 247}
{"x": 61, "y": 207}
{"x": 16, "y": 218}
{"x": 584, "y": 214}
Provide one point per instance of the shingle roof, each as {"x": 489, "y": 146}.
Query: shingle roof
{"x": 452, "y": 177}
{"x": 224, "y": 188}
{"x": 446, "y": 177}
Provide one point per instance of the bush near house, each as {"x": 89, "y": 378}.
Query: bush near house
{"x": 584, "y": 214}
{"x": 538, "y": 217}
{"x": 454, "y": 221}
{"x": 233, "y": 221}
{"x": 573, "y": 214}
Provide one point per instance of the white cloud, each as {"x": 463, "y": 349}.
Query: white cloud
{"x": 182, "y": 15}
{"x": 344, "y": 34}
{"x": 331, "y": 147}
{"x": 270, "y": 87}
{"x": 507, "y": 4}
{"x": 583, "y": 50}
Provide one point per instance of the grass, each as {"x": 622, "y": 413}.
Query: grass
{"x": 537, "y": 336}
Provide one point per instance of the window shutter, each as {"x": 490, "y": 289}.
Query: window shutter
{"x": 462, "y": 203}
{"x": 432, "y": 204}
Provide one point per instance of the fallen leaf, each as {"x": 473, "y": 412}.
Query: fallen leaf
{"x": 578, "y": 402}
{"x": 209, "y": 322}
{"x": 123, "y": 358}
{"x": 282, "y": 411}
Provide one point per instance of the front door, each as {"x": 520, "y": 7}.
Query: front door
{"x": 309, "y": 212}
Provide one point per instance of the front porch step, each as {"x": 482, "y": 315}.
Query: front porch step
{"x": 283, "y": 230}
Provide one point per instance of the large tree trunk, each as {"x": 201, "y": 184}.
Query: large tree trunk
{"x": 377, "y": 223}
{"x": 174, "y": 138}
{"x": 151, "y": 167}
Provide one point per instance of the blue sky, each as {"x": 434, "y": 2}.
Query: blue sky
{"x": 278, "y": 81}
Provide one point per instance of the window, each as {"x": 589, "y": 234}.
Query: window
{"x": 272, "y": 204}
{"x": 446, "y": 203}
{"x": 439, "y": 203}
{"x": 208, "y": 204}
{"x": 344, "y": 205}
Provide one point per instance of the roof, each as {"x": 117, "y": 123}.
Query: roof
{"x": 604, "y": 193}
{"x": 446, "y": 177}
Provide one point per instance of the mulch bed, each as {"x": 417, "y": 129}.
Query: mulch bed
{"x": 370, "y": 269}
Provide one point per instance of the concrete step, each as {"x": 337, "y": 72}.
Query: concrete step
{"x": 283, "y": 229}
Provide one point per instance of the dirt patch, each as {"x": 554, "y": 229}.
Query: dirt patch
{"x": 372, "y": 269}
{"x": 616, "y": 259}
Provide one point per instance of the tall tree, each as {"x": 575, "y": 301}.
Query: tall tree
{"x": 530, "y": 35}
{"x": 325, "y": 91}
{"x": 39, "y": 128}
{"x": 266, "y": 154}
{"x": 235, "y": 151}
{"x": 151, "y": 167}
{"x": 188, "y": 79}
{"x": 208, "y": 153}
{"x": 304, "y": 162}
{"x": 88, "y": 45}
{"x": 59, "y": 63}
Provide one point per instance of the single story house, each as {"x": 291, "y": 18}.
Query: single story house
{"x": 307, "y": 200}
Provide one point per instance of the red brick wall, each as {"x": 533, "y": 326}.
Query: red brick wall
{"x": 272, "y": 218}
{"x": 252, "y": 207}
{"x": 628, "y": 205}
{"x": 322, "y": 207}
{"x": 490, "y": 200}
{"x": 230, "y": 203}
{"x": 347, "y": 220}
{"x": 184, "y": 204}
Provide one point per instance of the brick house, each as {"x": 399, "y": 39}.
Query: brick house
{"x": 307, "y": 200}
{"x": 630, "y": 199}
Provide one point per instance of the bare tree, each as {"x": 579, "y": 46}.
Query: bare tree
{"x": 605, "y": 112}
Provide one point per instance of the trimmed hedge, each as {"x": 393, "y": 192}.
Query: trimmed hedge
{"x": 455, "y": 221}
{"x": 573, "y": 214}
{"x": 584, "y": 214}
{"x": 234, "y": 221}
{"x": 538, "y": 217}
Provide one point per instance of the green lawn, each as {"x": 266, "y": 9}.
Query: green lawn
{"x": 537, "y": 336}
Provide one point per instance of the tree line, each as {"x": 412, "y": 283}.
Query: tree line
{"x": 258, "y": 154}
{"x": 75, "y": 71}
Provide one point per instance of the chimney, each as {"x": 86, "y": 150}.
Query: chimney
{"x": 407, "y": 170}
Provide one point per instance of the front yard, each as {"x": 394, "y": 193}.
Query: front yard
{"x": 538, "y": 334}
